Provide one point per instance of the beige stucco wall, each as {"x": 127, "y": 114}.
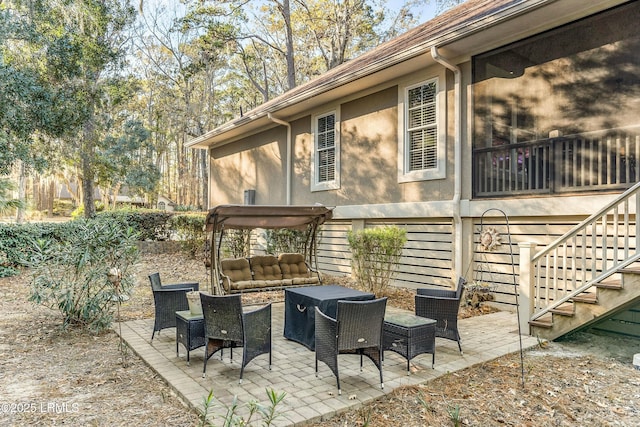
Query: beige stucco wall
{"x": 256, "y": 163}
{"x": 368, "y": 155}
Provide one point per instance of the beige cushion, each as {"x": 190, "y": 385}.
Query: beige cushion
{"x": 293, "y": 265}
{"x": 241, "y": 285}
{"x": 305, "y": 280}
{"x": 237, "y": 269}
{"x": 266, "y": 267}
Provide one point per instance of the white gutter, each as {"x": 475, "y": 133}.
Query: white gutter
{"x": 457, "y": 156}
{"x": 288, "y": 167}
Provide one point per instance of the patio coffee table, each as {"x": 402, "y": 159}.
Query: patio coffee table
{"x": 410, "y": 335}
{"x": 189, "y": 331}
{"x": 299, "y": 311}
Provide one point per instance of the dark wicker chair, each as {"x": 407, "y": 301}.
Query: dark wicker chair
{"x": 167, "y": 300}
{"x": 442, "y": 306}
{"x": 357, "y": 329}
{"x": 226, "y": 326}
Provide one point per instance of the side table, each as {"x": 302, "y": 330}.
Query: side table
{"x": 410, "y": 335}
{"x": 189, "y": 331}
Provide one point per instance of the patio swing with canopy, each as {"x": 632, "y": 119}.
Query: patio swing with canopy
{"x": 248, "y": 217}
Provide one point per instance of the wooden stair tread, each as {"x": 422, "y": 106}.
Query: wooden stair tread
{"x": 545, "y": 321}
{"x": 586, "y": 297}
{"x": 610, "y": 284}
{"x": 632, "y": 270}
{"x": 566, "y": 309}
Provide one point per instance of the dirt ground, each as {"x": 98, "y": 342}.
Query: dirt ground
{"x": 49, "y": 376}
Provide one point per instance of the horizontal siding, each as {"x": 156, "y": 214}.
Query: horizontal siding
{"x": 425, "y": 261}
{"x": 334, "y": 255}
{"x": 496, "y": 267}
{"x": 427, "y": 256}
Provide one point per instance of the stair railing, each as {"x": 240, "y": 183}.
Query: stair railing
{"x": 589, "y": 253}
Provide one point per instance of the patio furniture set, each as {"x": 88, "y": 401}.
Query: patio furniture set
{"x": 327, "y": 319}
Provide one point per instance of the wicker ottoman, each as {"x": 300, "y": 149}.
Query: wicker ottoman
{"x": 409, "y": 336}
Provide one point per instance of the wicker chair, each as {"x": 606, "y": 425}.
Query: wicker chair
{"x": 357, "y": 329}
{"x": 167, "y": 300}
{"x": 226, "y": 326}
{"x": 442, "y": 306}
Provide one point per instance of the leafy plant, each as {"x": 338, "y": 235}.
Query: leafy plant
{"x": 6, "y": 203}
{"x": 237, "y": 243}
{"x": 375, "y": 255}
{"x": 267, "y": 413}
{"x": 285, "y": 240}
{"x": 149, "y": 224}
{"x": 71, "y": 275}
{"x": 190, "y": 231}
{"x": 16, "y": 240}
{"x": 454, "y": 415}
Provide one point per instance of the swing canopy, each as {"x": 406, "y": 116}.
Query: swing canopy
{"x": 249, "y": 217}
{"x": 245, "y": 217}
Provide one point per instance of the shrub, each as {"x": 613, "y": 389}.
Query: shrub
{"x": 236, "y": 243}
{"x": 16, "y": 246}
{"x": 149, "y": 224}
{"x": 285, "y": 240}
{"x": 189, "y": 229}
{"x": 71, "y": 275}
{"x": 375, "y": 255}
{"x": 79, "y": 211}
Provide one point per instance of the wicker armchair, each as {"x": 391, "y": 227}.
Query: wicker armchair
{"x": 442, "y": 306}
{"x": 226, "y": 326}
{"x": 167, "y": 300}
{"x": 357, "y": 329}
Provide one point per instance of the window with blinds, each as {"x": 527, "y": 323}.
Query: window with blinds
{"x": 422, "y": 132}
{"x": 326, "y": 148}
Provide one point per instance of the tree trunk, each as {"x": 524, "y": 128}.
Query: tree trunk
{"x": 87, "y": 170}
{"x": 22, "y": 184}
{"x": 51, "y": 196}
{"x": 291, "y": 67}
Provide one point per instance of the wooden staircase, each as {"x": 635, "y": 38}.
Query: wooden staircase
{"x": 590, "y": 274}
{"x": 585, "y": 309}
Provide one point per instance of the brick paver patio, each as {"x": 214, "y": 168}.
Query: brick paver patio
{"x": 309, "y": 398}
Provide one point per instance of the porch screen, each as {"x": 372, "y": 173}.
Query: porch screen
{"x": 558, "y": 112}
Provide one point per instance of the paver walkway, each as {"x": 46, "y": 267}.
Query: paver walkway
{"x": 293, "y": 370}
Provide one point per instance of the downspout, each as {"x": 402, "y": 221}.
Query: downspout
{"x": 457, "y": 221}
{"x": 288, "y": 167}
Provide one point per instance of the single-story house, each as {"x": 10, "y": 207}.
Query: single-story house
{"x": 516, "y": 115}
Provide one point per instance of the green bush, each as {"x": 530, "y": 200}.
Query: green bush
{"x": 79, "y": 211}
{"x": 71, "y": 275}
{"x": 189, "y": 230}
{"x": 149, "y": 224}
{"x": 285, "y": 240}
{"x": 16, "y": 242}
{"x": 375, "y": 255}
{"x": 185, "y": 208}
{"x": 236, "y": 243}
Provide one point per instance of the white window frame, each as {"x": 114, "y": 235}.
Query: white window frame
{"x": 438, "y": 172}
{"x": 334, "y": 184}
